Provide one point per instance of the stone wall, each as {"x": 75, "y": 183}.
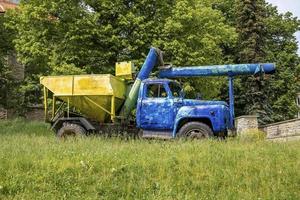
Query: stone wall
{"x": 35, "y": 113}
{"x": 246, "y": 123}
{"x": 285, "y": 130}
{"x": 3, "y": 114}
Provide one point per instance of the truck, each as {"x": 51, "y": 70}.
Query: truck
{"x": 104, "y": 103}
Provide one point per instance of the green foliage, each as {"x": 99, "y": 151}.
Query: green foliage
{"x": 6, "y": 47}
{"x": 44, "y": 34}
{"x": 251, "y": 29}
{"x": 11, "y": 93}
{"x": 194, "y": 34}
{"x": 91, "y": 35}
{"x": 86, "y": 36}
{"x": 281, "y": 47}
{"x": 35, "y": 165}
{"x": 264, "y": 36}
{"x": 77, "y": 37}
{"x": 4, "y": 82}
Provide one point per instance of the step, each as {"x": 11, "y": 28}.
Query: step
{"x": 157, "y": 134}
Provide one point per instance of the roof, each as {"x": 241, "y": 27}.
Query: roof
{"x": 6, "y": 5}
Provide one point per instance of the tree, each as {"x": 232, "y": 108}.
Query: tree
{"x": 64, "y": 36}
{"x": 264, "y": 36}
{"x": 194, "y": 34}
{"x": 251, "y": 28}
{"x": 72, "y": 37}
{"x": 281, "y": 47}
{"x": 5, "y": 48}
{"x": 87, "y": 36}
{"x": 76, "y": 37}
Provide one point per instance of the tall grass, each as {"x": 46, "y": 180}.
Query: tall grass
{"x": 35, "y": 165}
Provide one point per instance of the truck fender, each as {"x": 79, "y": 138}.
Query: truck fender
{"x": 191, "y": 112}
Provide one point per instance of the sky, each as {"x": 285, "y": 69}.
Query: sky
{"x": 289, "y": 5}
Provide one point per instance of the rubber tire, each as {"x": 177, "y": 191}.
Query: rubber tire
{"x": 71, "y": 129}
{"x": 203, "y": 131}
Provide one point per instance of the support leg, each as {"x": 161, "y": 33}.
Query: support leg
{"x": 231, "y": 101}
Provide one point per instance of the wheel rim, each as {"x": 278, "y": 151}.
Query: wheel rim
{"x": 195, "y": 134}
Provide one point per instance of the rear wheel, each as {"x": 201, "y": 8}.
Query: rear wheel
{"x": 195, "y": 130}
{"x": 71, "y": 130}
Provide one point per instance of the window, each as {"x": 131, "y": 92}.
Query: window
{"x": 156, "y": 91}
{"x": 175, "y": 89}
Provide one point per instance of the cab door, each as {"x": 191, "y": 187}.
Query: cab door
{"x": 156, "y": 108}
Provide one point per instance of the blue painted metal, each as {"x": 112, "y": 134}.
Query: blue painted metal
{"x": 217, "y": 70}
{"x": 166, "y": 113}
{"x": 130, "y": 102}
{"x": 156, "y": 114}
{"x": 213, "y": 111}
{"x": 231, "y": 101}
{"x": 151, "y": 60}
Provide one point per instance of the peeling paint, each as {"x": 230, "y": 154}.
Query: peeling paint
{"x": 217, "y": 70}
{"x": 165, "y": 113}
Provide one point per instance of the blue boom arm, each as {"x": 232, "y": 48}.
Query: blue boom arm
{"x": 219, "y": 70}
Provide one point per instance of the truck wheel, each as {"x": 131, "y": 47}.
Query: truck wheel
{"x": 71, "y": 130}
{"x": 195, "y": 130}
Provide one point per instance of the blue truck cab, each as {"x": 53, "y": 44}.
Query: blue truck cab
{"x": 162, "y": 111}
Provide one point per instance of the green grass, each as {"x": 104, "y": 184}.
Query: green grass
{"x": 35, "y": 165}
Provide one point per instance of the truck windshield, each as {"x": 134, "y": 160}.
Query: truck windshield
{"x": 175, "y": 89}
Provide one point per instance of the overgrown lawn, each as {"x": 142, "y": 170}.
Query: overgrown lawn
{"x": 35, "y": 165}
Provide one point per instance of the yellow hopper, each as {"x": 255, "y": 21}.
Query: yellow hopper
{"x": 96, "y": 96}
